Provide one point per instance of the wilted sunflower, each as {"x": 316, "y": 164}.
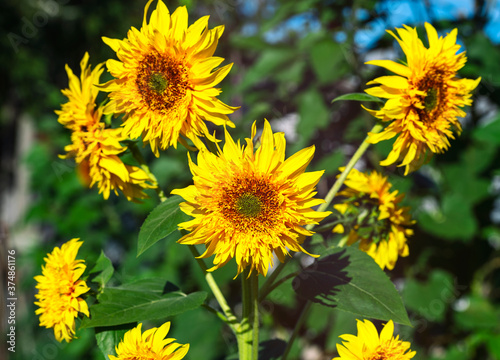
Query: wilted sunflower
{"x": 94, "y": 145}
{"x": 368, "y": 345}
{"x": 248, "y": 205}
{"x": 371, "y": 214}
{"x": 150, "y": 345}
{"x": 425, "y": 97}
{"x": 165, "y": 79}
{"x": 59, "y": 290}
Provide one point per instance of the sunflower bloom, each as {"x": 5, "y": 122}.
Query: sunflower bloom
{"x": 149, "y": 345}
{"x": 248, "y": 205}
{"x": 164, "y": 79}
{"x": 95, "y": 146}
{"x": 372, "y": 215}
{"x": 425, "y": 97}
{"x": 80, "y": 108}
{"x": 368, "y": 345}
{"x": 59, "y": 290}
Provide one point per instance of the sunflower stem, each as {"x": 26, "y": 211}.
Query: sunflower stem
{"x": 265, "y": 289}
{"x": 340, "y": 180}
{"x": 255, "y": 312}
{"x": 271, "y": 287}
{"x": 230, "y": 318}
{"x": 269, "y": 284}
{"x": 215, "y": 312}
{"x": 298, "y": 325}
{"x": 244, "y": 334}
{"x": 140, "y": 159}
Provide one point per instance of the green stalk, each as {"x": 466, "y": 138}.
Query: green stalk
{"x": 140, "y": 159}
{"x": 244, "y": 333}
{"x": 328, "y": 199}
{"x": 255, "y": 311}
{"x": 265, "y": 289}
{"x": 268, "y": 285}
{"x": 340, "y": 180}
{"x": 274, "y": 285}
{"x": 230, "y": 318}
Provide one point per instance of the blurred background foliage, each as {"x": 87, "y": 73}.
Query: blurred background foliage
{"x": 291, "y": 58}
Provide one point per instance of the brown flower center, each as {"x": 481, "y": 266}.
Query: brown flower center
{"x": 162, "y": 81}
{"x": 434, "y": 84}
{"x": 363, "y": 216}
{"x": 158, "y": 82}
{"x": 392, "y": 351}
{"x": 431, "y": 99}
{"x": 250, "y": 203}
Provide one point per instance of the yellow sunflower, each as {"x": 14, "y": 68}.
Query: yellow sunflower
{"x": 81, "y": 94}
{"x": 372, "y": 215}
{"x": 165, "y": 79}
{"x": 149, "y": 345}
{"x": 95, "y": 146}
{"x": 425, "y": 97}
{"x": 368, "y": 345}
{"x": 59, "y": 290}
{"x": 248, "y": 205}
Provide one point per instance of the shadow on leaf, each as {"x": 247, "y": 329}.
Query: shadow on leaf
{"x": 170, "y": 287}
{"x": 319, "y": 282}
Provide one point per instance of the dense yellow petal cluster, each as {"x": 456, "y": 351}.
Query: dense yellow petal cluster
{"x": 95, "y": 146}
{"x": 424, "y": 98}
{"x": 164, "y": 79}
{"x": 250, "y": 204}
{"x": 373, "y": 216}
{"x": 59, "y": 290}
{"x": 368, "y": 345}
{"x": 149, "y": 345}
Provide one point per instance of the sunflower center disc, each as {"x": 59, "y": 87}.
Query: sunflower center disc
{"x": 158, "y": 82}
{"x": 249, "y": 205}
{"x": 430, "y": 100}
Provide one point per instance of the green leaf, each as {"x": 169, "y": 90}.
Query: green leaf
{"x": 313, "y": 113}
{"x": 432, "y": 298}
{"x": 108, "y": 338}
{"x": 341, "y": 323}
{"x": 168, "y": 169}
{"x": 160, "y": 223}
{"x": 490, "y": 133}
{"x": 104, "y": 268}
{"x": 292, "y": 74}
{"x": 456, "y": 220}
{"x": 478, "y": 157}
{"x": 270, "y": 61}
{"x": 328, "y": 61}
{"x": 248, "y": 42}
{"x": 204, "y": 328}
{"x": 480, "y": 314}
{"x": 285, "y": 10}
{"x": 317, "y": 321}
{"x": 472, "y": 189}
{"x": 358, "y": 97}
{"x": 146, "y": 299}
{"x": 493, "y": 344}
{"x": 350, "y": 280}
{"x": 454, "y": 352}
{"x": 330, "y": 163}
